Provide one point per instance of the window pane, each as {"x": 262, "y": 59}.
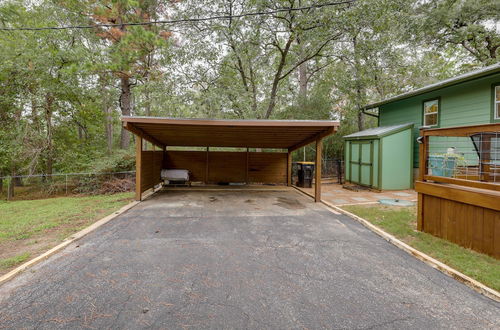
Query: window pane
{"x": 431, "y": 119}
{"x": 497, "y": 115}
{"x": 431, "y": 106}
{"x": 497, "y": 93}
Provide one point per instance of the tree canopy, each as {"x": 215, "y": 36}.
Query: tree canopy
{"x": 62, "y": 91}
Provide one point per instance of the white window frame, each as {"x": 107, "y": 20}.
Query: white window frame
{"x": 496, "y": 102}
{"x": 431, "y": 113}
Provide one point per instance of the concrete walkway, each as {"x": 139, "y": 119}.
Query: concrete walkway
{"x": 238, "y": 259}
{"x": 334, "y": 194}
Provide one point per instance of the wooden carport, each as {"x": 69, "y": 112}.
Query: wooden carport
{"x": 212, "y": 166}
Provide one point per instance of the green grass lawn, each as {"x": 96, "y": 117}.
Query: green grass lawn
{"x": 26, "y": 226}
{"x": 401, "y": 222}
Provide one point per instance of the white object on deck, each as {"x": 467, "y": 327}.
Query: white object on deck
{"x": 175, "y": 175}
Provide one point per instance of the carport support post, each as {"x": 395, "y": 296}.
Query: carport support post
{"x": 289, "y": 169}
{"x": 317, "y": 185}
{"x": 164, "y": 158}
{"x": 138, "y": 168}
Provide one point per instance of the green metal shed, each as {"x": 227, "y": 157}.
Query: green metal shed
{"x": 380, "y": 157}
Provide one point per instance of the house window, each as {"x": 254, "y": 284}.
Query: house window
{"x": 431, "y": 110}
{"x": 496, "y": 105}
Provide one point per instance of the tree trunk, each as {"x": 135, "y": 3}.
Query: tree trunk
{"x": 303, "y": 80}
{"x": 49, "y": 101}
{"x": 254, "y": 91}
{"x": 302, "y": 73}
{"x": 125, "y": 107}
{"x": 361, "y": 121}
{"x": 272, "y": 99}
{"x": 147, "y": 95}
{"x": 108, "y": 113}
{"x": 277, "y": 78}
{"x": 359, "y": 92}
{"x": 109, "y": 128}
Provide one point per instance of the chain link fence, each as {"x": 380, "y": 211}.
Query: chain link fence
{"x": 43, "y": 185}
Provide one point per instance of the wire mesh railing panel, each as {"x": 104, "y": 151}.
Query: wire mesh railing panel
{"x": 473, "y": 157}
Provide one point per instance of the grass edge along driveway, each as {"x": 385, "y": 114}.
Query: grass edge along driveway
{"x": 402, "y": 223}
{"x": 28, "y": 228}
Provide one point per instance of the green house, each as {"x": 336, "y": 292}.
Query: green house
{"x": 469, "y": 99}
{"x": 380, "y": 157}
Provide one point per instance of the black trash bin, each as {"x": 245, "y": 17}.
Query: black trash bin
{"x": 305, "y": 173}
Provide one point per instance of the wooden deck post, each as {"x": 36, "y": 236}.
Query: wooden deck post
{"x": 317, "y": 185}
{"x": 138, "y": 168}
{"x": 289, "y": 169}
{"x": 422, "y": 172}
{"x": 485, "y": 157}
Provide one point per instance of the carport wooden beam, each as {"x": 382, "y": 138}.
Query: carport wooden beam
{"x": 313, "y": 139}
{"x": 275, "y": 134}
{"x": 140, "y": 133}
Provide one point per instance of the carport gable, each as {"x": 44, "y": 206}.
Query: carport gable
{"x": 211, "y": 166}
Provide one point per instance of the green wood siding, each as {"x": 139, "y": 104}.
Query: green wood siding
{"x": 468, "y": 103}
{"x": 347, "y": 167}
{"x": 376, "y": 163}
{"x": 396, "y": 161}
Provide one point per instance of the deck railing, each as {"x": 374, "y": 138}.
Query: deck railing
{"x": 467, "y": 156}
{"x": 459, "y": 186}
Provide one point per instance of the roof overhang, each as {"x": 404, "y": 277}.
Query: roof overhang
{"x": 483, "y": 72}
{"x": 282, "y": 134}
{"x": 378, "y": 132}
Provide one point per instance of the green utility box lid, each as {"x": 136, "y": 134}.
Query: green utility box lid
{"x": 377, "y": 132}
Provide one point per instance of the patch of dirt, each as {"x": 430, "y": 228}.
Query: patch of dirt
{"x": 354, "y": 187}
{"x": 289, "y": 203}
{"x": 42, "y": 241}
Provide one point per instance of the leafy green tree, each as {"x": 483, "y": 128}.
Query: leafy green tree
{"x": 470, "y": 24}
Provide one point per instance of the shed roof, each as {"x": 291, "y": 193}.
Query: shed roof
{"x": 495, "y": 68}
{"x": 378, "y": 132}
{"x": 286, "y": 134}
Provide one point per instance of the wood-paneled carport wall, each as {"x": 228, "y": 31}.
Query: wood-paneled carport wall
{"x": 220, "y": 166}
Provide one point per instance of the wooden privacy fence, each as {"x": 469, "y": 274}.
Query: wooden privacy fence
{"x": 459, "y": 186}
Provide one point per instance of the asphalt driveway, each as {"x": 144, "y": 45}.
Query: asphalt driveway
{"x": 226, "y": 259}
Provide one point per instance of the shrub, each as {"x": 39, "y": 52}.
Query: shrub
{"x": 120, "y": 161}
{"x": 117, "y": 186}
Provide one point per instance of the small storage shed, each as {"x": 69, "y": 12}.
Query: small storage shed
{"x": 380, "y": 158}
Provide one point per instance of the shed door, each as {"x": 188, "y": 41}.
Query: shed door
{"x": 361, "y": 162}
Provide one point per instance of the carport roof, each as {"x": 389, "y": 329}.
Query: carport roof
{"x": 286, "y": 134}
